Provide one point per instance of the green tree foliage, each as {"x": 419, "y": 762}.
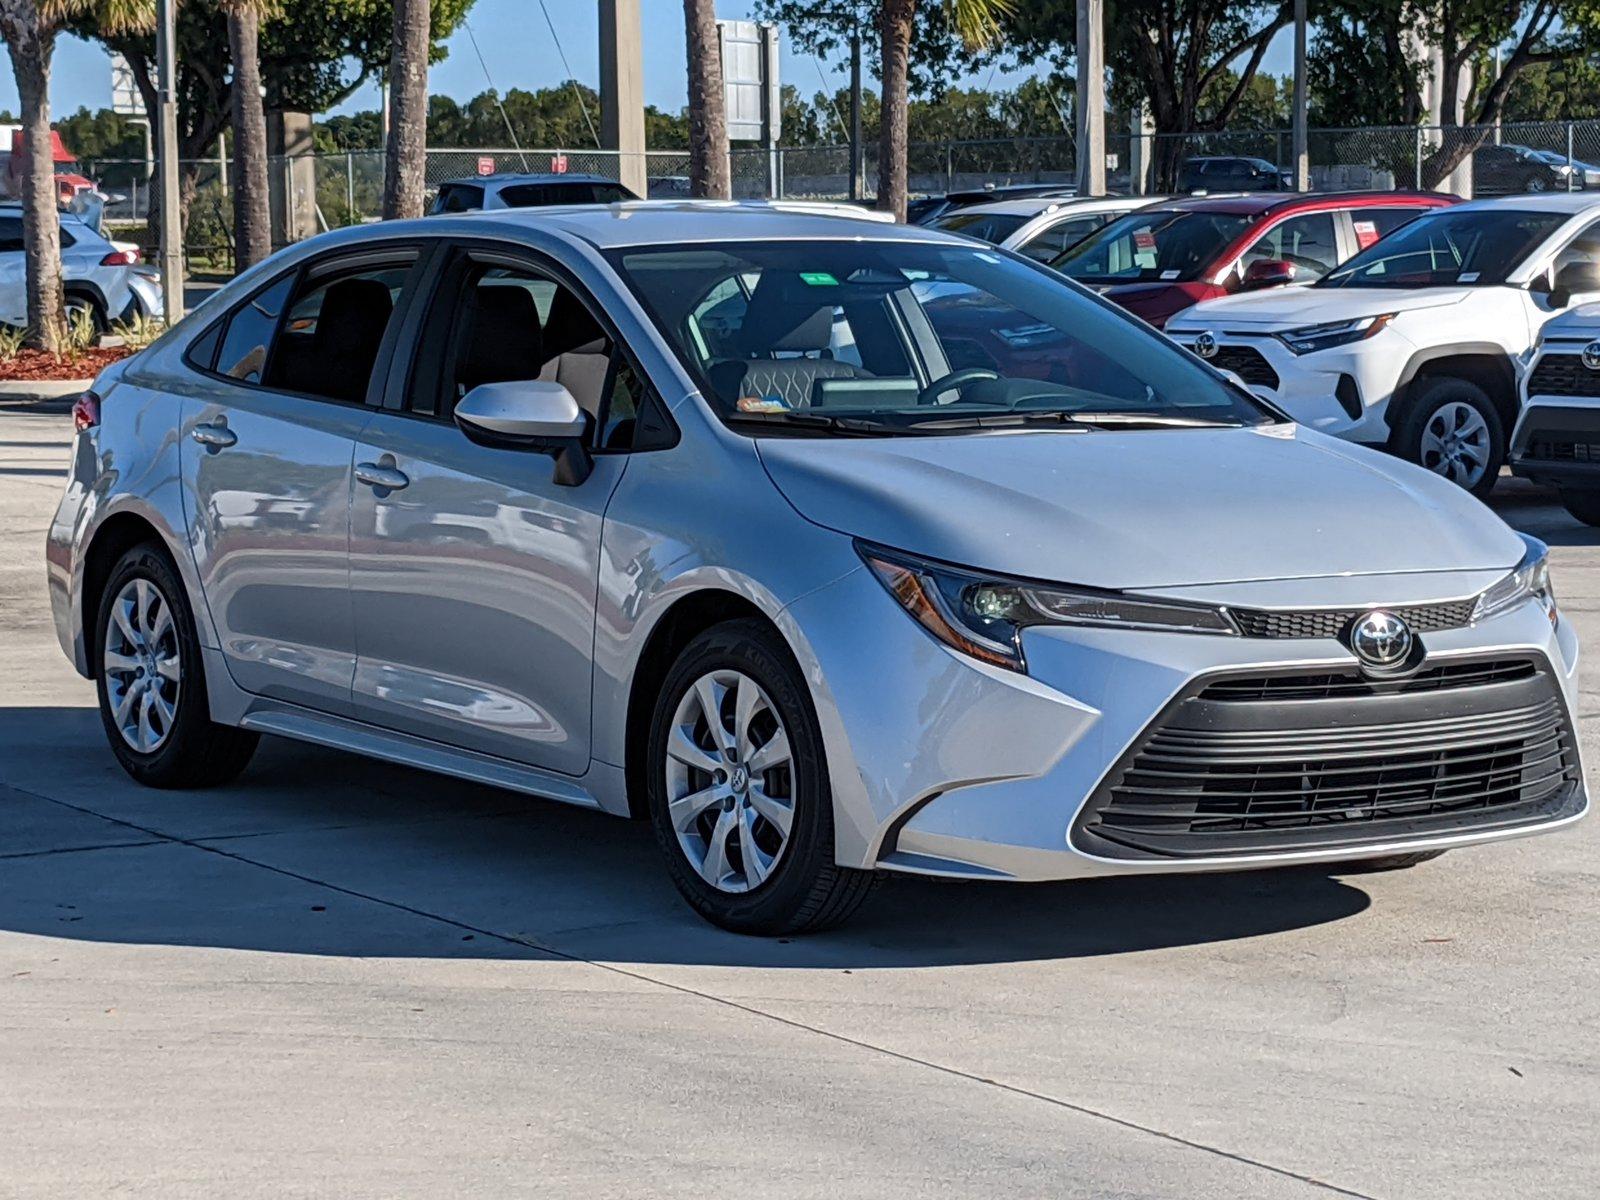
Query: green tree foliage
{"x": 100, "y": 134}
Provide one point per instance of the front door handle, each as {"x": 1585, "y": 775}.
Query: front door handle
{"x": 379, "y": 476}
{"x": 217, "y": 436}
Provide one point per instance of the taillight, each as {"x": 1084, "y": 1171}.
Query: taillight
{"x": 86, "y": 412}
{"x": 121, "y": 258}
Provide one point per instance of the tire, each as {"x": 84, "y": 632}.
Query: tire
{"x": 1442, "y": 410}
{"x": 1585, "y": 505}
{"x": 790, "y": 884}
{"x": 184, "y": 747}
{"x": 1390, "y": 862}
{"x": 77, "y": 301}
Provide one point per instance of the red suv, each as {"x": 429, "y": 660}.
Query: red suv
{"x": 1158, "y": 261}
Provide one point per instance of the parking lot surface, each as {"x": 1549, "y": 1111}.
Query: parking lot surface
{"x": 338, "y": 977}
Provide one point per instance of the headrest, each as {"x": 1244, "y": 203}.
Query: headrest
{"x": 785, "y": 313}
{"x": 350, "y": 326}
{"x": 504, "y": 342}
{"x": 571, "y": 328}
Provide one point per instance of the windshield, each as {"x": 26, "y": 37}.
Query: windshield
{"x": 986, "y": 227}
{"x": 880, "y": 337}
{"x": 1147, "y": 247}
{"x": 1453, "y": 246}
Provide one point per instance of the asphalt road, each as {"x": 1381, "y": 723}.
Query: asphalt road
{"x": 344, "y": 978}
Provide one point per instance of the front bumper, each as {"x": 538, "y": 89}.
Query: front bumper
{"x": 1557, "y": 442}
{"x": 1343, "y": 391}
{"x": 944, "y": 766}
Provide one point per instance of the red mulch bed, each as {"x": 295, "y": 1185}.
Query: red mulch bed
{"x": 36, "y": 365}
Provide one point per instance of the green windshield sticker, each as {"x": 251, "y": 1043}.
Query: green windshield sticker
{"x": 819, "y": 279}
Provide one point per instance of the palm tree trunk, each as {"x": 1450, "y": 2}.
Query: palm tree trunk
{"x": 894, "y": 24}
{"x": 708, "y": 119}
{"x": 31, "y": 43}
{"x": 252, "y": 229}
{"x": 405, "y": 165}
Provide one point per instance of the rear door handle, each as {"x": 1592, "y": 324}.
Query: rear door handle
{"x": 216, "y": 436}
{"x": 375, "y": 475}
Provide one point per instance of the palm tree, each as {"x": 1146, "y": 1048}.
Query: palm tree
{"x": 405, "y": 164}
{"x": 708, "y": 119}
{"x": 29, "y": 29}
{"x": 978, "y": 24}
{"x": 252, "y": 229}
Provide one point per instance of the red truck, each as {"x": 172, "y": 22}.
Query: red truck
{"x": 68, "y": 181}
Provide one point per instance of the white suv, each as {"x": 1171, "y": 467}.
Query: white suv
{"x": 1557, "y": 437}
{"x": 1412, "y": 345}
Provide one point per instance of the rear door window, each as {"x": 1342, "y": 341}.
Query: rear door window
{"x": 1048, "y": 243}
{"x": 328, "y": 343}
{"x": 458, "y": 197}
{"x": 10, "y": 235}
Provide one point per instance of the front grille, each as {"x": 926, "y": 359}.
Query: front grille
{"x": 1256, "y": 764}
{"x": 1333, "y": 622}
{"x": 1554, "y": 448}
{"x": 1247, "y": 363}
{"x": 1563, "y": 375}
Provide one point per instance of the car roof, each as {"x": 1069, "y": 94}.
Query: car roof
{"x": 1569, "y": 203}
{"x": 1032, "y": 206}
{"x": 669, "y": 222}
{"x": 503, "y": 177}
{"x": 14, "y": 208}
{"x": 1262, "y": 203}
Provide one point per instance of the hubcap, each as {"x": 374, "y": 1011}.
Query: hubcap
{"x": 141, "y": 665}
{"x": 1455, "y": 443}
{"x": 730, "y": 781}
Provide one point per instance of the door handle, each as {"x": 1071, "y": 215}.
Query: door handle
{"x": 375, "y": 475}
{"x": 217, "y": 436}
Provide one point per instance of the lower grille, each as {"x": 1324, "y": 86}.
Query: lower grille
{"x": 1254, "y": 764}
{"x": 1563, "y": 375}
{"x": 1556, "y": 449}
{"x": 1332, "y": 622}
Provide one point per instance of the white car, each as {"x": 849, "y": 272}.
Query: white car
{"x": 1557, "y": 437}
{"x": 97, "y": 275}
{"x": 1039, "y": 226}
{"x": 1413, "y": 344}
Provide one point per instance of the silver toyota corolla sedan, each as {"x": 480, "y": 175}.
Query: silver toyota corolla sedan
{"x": 831, "y": 548}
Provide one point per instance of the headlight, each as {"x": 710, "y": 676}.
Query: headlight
{"x": 984, "y": 615}
{"x": 1311, "y": 338}
{"x": 1530, "y": 581}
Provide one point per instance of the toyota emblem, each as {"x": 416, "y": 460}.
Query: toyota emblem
{"x": 1206, "y": 346}
{"x": 1381, "y": 639}
{"x": 1591, "y": 356}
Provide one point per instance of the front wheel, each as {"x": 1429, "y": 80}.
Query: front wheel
{"x": 151, "y": 682}
{"x": 1585, "y": 505}
{"x": 1452, "y": 429}
{"x": 738, "y": 788}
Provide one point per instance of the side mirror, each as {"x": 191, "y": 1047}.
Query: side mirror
{"x": 1267, "y": 272}
{"x": 530, "y": 414}
{"x": 1574, "y": 279}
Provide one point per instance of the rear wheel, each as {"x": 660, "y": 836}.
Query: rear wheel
{"x": 151, "y": 682}
{"x": 1452, "y": 429}
{"x": 78, "y": 306}
{"x": 1585, "y": 505}
{"x": 739, "y": 793}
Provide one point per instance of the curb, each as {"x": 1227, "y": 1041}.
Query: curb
{"x": 41, "y": 389}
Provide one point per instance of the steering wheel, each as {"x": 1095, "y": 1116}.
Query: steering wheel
{"x": 954, "y": 379}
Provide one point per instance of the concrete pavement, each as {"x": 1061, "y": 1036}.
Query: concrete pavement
{"x": 342, "y": 978}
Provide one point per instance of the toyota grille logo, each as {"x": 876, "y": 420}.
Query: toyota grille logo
{"x": 1591, "y": 356}
{"x": 1381, "y": 639}
{"x": 1206, "y": 346}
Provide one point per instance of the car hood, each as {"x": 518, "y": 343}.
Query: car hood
{"x": 1580, "y": 321}
{"x": 1292, "y": 307}
{"x": 1143, "y": 509}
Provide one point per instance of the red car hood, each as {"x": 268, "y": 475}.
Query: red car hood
{"x": 1159, "y": 302}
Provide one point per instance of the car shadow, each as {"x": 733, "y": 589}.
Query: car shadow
{"x": 318, "y": 852}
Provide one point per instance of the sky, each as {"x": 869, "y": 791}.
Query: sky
{"x": 519, "y": 52}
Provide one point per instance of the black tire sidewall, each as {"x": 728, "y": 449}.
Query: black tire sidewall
{"x": 753, "y": 648}
{"x": 192, "y": 723}
{"x": 1434, "y": 396}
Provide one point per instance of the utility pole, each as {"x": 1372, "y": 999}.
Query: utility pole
{"x": 167, "y": 121}
{"x": 622, "y": 92}
{"x": 1091, "y": 98}
{"x": 1301, "y": 149}
{"x": 858, "y": 168}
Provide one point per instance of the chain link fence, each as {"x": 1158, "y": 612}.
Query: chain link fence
{"x": 326, "y": 191}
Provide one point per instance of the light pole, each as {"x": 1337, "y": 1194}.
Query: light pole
{"x": 1091, "y": 97}
{"x": 1301, "y": 139}
{"x": 857, "y": 158}
{"x": 167, "y": 157}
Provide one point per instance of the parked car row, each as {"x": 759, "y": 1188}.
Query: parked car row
{"x": 831, "y": 547}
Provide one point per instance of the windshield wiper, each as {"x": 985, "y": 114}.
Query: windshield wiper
{"x": 1138, "y": 420}
{"x": 805, "y": 419}
{"x": 999, "y": 420}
